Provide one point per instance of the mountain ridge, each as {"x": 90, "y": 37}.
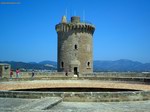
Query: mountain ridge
{"x": 121, "y": 65}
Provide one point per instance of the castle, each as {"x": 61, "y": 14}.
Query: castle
{"x": 75, "y": 46}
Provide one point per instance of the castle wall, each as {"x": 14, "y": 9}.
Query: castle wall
{"x": 75, "y": 52}
{"x": 5, "y": 70}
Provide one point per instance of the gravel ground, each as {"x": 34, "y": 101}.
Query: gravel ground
{"x": 12, "y": 85}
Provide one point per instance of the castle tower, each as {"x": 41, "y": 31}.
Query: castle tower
{"x": 75, "y": 46}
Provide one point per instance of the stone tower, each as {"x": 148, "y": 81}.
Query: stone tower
{"x": 75, "y": 46}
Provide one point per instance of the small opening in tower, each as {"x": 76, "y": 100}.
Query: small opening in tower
{"x": 62, "y": 64}
{"x": 88, "y": 64}
{"x": 75, "y": 47}
{"x": 6, "y": 67}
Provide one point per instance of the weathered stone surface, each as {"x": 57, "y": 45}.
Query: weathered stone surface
{"x": 5, "y": 70}
{"x": 75, "y": 46}
{"x": 27, "y": 105}
{"x": 138, "y": 106}
{"x": 82, "y": 96}
{"x": 38, "y": 105}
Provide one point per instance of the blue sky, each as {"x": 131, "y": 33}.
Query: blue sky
{"x": 27, "y": 30}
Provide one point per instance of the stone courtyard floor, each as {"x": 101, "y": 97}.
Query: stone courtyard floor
{"x": 53, "y": 105}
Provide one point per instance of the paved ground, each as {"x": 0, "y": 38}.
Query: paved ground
{"x": 142, "y": 106}
{"x": 55, "y": 105}
{"x": 27, "y": 105}
{"x": 12, "y": 85}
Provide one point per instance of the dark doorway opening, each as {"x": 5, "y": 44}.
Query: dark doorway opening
{"x": 62, "y": 64}
{"x": 76, "y": 70}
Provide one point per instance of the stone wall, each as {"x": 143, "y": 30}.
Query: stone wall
{"x": 5, "y": 70}
{"x": 82, "y": 96}
{"x": 117, "y": 74}
{"x": 75, "y": 52}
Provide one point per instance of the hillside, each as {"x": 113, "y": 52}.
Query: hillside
{"x": 122, "y": 65}
{"x": 31, "y": 65}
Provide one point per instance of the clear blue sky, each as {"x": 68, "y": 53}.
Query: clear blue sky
{"x": 27, "y": 30}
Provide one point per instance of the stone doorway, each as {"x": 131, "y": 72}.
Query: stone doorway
{"x": 76, "y": 70}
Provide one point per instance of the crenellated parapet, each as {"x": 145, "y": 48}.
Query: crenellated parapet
{"x": 75, "y": 25}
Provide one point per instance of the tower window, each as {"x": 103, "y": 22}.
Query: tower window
{"x": 75, "y": 47}
{"x": 88, "y": 64}
{"x": 6, "y": 67}
{"x": 62, "y": 64}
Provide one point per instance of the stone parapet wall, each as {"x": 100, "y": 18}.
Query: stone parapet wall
{"x": 117, "y": 74}
{"x": 82, "y": 96}
{"x": 78, "y": 27}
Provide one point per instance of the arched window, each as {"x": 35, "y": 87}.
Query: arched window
{"x": 75, "y": 46}
{"x": 62, "y": 64}
{"x": 88, "y": 64}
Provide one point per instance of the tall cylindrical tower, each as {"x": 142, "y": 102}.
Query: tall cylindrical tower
{"x": 75, "y": 46}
